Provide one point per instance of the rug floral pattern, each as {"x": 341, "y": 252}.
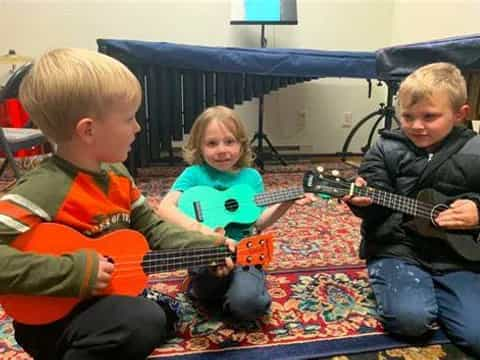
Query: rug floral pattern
{"x": 318, "y": 285}
{"x": 306, "y": 306}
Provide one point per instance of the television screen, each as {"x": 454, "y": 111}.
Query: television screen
{"x": 264, "y": 12}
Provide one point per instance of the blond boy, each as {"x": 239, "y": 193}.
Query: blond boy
{"x": 85, "y": 103}
{"x": 420, "y": 278}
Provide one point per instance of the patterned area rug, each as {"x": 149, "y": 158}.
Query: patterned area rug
{"x": 302, "y": 312}
{"x": 322, "y": 303}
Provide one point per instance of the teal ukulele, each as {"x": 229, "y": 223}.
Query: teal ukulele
{"x": 238, "y": 204}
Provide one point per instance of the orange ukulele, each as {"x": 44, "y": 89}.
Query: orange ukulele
{"x": 133, "y": 260}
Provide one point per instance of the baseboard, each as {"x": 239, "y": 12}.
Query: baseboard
{"x": 269, "y": 157}
{"x": 319, "y": 156}
{"x": 279, "y": 148}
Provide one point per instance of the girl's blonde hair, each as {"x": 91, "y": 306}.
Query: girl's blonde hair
{"x": 428, "y": 79}
{"x": 66, "y": 85}
{"x": 192, "y": 151}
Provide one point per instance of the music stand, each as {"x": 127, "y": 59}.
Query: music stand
{"x": 260, "y": 134}
{"x": 264, "y": 12}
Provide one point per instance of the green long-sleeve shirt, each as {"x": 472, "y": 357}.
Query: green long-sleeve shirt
{"x": 91, "y": 203}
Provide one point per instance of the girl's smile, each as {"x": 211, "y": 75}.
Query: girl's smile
{"x": 220, "y": 148}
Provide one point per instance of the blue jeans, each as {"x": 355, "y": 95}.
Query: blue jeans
{"x": 410, "y": 300}
{"x": 242, "y": 293}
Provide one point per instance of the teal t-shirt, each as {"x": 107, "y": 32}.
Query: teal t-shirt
{"x": 205, "y": 175}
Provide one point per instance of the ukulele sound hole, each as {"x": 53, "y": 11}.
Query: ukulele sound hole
{"x": 437, "y": 209}
{"x": 231, "y": 205}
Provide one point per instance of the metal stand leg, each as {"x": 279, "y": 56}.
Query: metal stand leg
{"x": 259, "y": 153}
{"x": 260, "y": 135}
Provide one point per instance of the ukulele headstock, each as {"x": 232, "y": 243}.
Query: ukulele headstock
{"x": 255, "y": 250}
{"x": 325, "y": 185}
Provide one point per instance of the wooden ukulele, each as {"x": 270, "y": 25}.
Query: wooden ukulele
{"x": 133, "y": 260}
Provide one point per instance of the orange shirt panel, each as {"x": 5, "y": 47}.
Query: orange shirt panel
{"x": 87, "y": 205}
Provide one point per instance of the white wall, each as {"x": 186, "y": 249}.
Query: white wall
{"x": 423, "y": 20}
{"x": 31, "y": 27}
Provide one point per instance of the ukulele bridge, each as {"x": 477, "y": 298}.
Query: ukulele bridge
{"x": 197, "y": 208}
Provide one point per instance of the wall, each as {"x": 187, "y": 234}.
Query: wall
{"x": 310, "y": 114}
{"x": 423, "y": 20}
{"x": 31, "y": 27}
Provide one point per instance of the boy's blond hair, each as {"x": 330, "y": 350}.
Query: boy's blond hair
{"x": 66, "y": 85}
{"x": 192, "y": 151}
{"x": 428, "y": 79}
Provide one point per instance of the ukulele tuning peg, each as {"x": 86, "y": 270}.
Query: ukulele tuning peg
{"x": 320, "y": 169}
{"x": 335, "y": 173}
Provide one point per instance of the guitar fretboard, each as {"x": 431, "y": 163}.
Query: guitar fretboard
{"x": 274, "y": 197}
{"x": 161, "y": 261}
{"x": 393, "y": 201}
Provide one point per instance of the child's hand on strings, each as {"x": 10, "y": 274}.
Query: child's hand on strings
{"x": 360, "y": 201}
{"x": 224, "y": 270}
{"x": 461, "y": 215}
{"x": 104, "y": 275}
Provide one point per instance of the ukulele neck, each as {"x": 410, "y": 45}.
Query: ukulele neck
{"x": 279, "y": 196}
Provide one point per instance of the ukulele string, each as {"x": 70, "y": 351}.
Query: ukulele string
{"x": 156, "y": 256}
{"x": 274, "y": 196}
{"x": 171, "y": 252}
{"x": 166, "y": 268}
{"x": 127, "y": 271}
{"x": 213, "y": 260}
{"x": 421, "y": 209}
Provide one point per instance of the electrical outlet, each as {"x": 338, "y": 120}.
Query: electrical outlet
{"x": 301, "y": 118}
{"x": 302, "y": 115}
{"x": 347, "y": 120}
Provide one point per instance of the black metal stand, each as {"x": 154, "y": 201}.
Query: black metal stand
{"x": 260, "y": 135}
{"x": 385, "y": 112}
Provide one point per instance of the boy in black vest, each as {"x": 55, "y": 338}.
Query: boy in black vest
{"x": 425, "y": 275}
